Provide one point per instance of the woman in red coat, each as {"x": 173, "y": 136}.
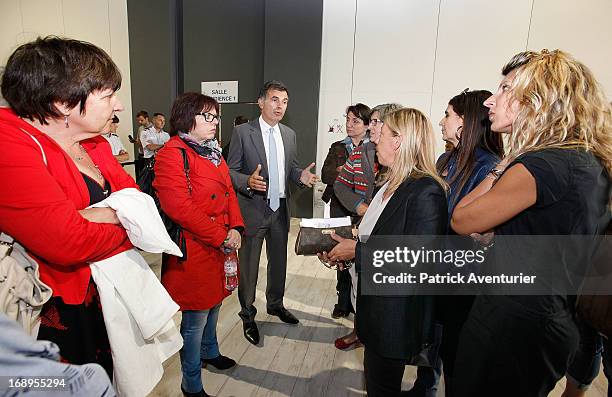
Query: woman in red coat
{"x": 54, "y": 163}
{"x": 206, "y": 207}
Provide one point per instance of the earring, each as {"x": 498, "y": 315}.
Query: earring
{"x": 66, "y": 120}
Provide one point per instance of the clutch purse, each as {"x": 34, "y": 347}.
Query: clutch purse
{"x": 315, "y": 234}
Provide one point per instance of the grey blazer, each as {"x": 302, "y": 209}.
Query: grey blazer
{"x": 245, "y": 152}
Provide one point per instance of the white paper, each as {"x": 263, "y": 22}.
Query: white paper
{"x": 326, "y": 222}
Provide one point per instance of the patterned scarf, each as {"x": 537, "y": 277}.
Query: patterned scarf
{"x": 209, "y": 149}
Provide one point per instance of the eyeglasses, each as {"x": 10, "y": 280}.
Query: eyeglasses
{"x": 375, "y": 122}
{"x": 209, "y": 117}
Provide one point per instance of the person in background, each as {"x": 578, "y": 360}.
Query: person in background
{"x": 237, "y": 121}
{"x": 113, "y": 139}
{"x": 357, "y": 121}
{"x": 354, "y": 188}
{"x": 204, "y": 204}
{"x": 154, "y": 138}
{"x": 555, "y": 180}
{"x": 593, "y": 350}
{"x": 142, "y": 119}
{"x": 58, "y": 164}
{"x": 240, "y": 120}
{"x": 475, "y": 152}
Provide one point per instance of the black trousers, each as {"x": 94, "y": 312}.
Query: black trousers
{"x": 275, "y": 232}
{"x": 343, "y": 286}
{"x": 453, "y": 312}
{"x": 505, "y": 350}
{"x": 383, "y": 376}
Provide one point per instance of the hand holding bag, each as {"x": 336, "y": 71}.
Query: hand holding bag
{"x": 315, "y": 235}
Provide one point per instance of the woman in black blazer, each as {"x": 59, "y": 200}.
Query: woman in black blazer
{"x": 411, "y": 201}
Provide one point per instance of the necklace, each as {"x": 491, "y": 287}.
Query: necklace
{"x": 93, "y": 167}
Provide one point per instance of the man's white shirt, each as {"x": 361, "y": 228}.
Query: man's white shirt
{"x": 280, "y": 151}
{"x": 151, "y": 136}
{"x": 115, "y": 143}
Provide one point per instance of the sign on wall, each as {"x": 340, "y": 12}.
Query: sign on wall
{"x": 222, "y": 91}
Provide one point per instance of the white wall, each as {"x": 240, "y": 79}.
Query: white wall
{"x": 420, "y": 53}
{"x": 101, "y": 22}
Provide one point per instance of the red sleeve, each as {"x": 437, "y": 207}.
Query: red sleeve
{"x": 37, "y": 212}
{"x": 171, "y": 186}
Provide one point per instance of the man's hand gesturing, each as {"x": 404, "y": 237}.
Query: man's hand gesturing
{"x": 256, "y": 181}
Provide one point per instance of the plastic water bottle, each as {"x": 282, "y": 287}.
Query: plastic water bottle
{"x": 230, "y": 266}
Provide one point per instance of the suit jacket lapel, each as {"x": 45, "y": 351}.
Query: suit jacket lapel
{"x": 395, "y": 202}
{"x": 285, "y": 136}
{"x": 258, "y": 143}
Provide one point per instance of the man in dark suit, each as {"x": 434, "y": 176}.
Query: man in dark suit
{"x": 263, "y": 160}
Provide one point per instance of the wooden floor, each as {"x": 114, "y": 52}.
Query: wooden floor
{"x": 290, "y": 360}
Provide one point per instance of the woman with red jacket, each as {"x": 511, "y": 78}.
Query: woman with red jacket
{"x": 54, "y": 163}
{"x": 204, "y": 204}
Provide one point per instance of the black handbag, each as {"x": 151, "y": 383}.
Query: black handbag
{"x": 145, "y": 182}
{"x": 146, "y": 177}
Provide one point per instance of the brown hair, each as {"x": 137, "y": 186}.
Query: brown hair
{"x": 186, "y": 107}
{"x": 53, "y": 70}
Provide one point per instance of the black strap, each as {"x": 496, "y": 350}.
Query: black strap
{"x": 186, "y": 168}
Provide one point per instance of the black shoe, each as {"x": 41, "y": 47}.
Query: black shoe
{"x": 201, "y": 393}
{"x": 220, "y": 362}
{"x": 284, "y": 315}
{"x": 337, "y": 312}
{"x": 251, "y": 333}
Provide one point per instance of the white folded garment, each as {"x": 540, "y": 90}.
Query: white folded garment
{"x": 139, "y": 216}
{"x": 137, "y": 309}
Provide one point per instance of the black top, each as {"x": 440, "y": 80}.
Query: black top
{"x": 573, "y": 192}
{"x": 96, "y": 192}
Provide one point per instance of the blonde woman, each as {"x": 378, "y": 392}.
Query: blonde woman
{"x": 411, "y": 201}
{"x": 554, "y": 181}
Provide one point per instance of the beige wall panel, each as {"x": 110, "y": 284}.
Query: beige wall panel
{"x": 41, "y": 18}
{"x": 475, "y": 39}
{"x": 10, "y": 28}
{"x": 395, "y": 48}
{"x": 336, "y": 65}
{"x": 87, "y": 21}
{"x": 582, "y": 28}
{"x": 120, "y": 52}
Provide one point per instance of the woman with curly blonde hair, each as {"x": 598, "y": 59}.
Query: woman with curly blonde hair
{"x": 554, "y": 181}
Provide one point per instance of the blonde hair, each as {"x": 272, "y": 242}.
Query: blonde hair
{"x": 561, "y": 106}
{"x": 415, "y": 158}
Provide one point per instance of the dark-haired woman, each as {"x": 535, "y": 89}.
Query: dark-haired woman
{"x": 357, "y": 120}
{"x": 476, "y": 150}
{"x": 54, "y": 163}
{"x": 205, "y": 205}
